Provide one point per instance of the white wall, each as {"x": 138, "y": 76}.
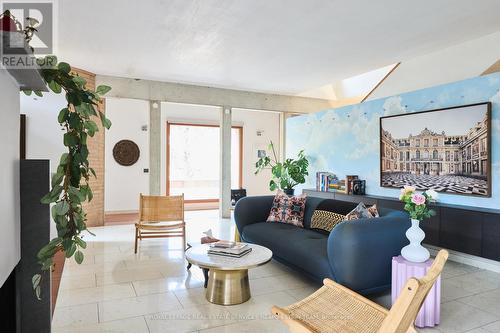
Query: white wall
{"x": 44, "y": 136}
{"x": 250, "y": 120}
{"x": 124, "y": 183}
{"x": 9, "y": 176}
{"x": 451, "y": 64}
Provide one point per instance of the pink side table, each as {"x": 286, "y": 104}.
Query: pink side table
{"x": 402, "y": 270}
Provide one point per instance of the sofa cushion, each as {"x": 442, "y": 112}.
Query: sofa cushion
{"x": 303, "y": 248}
{"x": 325, "y": 220}
{"x": 288, "y": 209}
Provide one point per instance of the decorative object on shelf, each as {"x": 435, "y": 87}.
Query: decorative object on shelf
{"x": 70, "y": 184}
{"x": 285, "y": 175}
{"x": 446, "y": 149}
{"x": 358, "y": 187}
{"x": 349, "y": 182}
{"x": 402, "y": 270}
{"x": 126, "y": 152}
{"x": 416, "y": 205}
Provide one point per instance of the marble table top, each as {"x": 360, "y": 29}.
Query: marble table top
{"x": 197, "y": 255}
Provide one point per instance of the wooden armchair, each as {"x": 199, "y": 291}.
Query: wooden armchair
{"x": 160, "y": 217}
{"x": 336, "y": 309}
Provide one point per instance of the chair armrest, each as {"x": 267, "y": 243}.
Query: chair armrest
{"x": 360, "y": 252}
{"x": 250, "y": 210}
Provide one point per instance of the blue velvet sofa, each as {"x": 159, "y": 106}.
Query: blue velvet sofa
{"x": 356, "y": 254}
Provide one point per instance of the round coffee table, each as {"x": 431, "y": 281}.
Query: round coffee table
{"x": 228, "y": 277}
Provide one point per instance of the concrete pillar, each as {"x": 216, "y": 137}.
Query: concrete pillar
{"x": 154, "y": 147}
{"x": 282, "y": 143}
{"x": 225, "y": 162}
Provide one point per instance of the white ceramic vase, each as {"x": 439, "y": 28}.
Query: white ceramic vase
{"x": 415, "y": 252}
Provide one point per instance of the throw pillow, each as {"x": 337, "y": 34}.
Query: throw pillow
{"x": 373, "y": 210}
{"x": 361, "y": 212}
{"x": 325, "y": 220}
{"x": 287, "y": 209}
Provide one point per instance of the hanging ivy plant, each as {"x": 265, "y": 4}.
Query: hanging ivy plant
{"x": 70, "y": 184}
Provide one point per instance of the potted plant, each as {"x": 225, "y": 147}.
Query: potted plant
{"x": 416, "y": 204}
{"x": 285, "y": 175}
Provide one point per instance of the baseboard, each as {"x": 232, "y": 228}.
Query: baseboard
{"x": 118, "y": 212}
{"x": 468, "y": 259}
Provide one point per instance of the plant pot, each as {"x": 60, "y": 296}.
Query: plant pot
{"x": 289, "y": 191}
{"x": 415, "y": 252}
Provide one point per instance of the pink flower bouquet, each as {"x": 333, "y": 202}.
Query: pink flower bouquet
{"x": 416, "y": 204}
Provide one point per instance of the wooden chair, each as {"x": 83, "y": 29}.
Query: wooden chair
{"x": 337, "y": 309}
{"x": 160, "y": 217}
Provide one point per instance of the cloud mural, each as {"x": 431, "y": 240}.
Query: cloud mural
{"x": 346, "y": 140}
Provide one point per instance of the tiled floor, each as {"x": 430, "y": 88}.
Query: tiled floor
{"x": 151, "y": 292}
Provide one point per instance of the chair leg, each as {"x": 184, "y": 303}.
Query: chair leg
{"x": 136, "y": 236}
{"x": 189, "y": 266}
{"x": 205, "y": 275}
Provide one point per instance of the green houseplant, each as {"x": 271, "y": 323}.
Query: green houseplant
{"x": 70, "y": 184}
{"x": 285, "y": 175}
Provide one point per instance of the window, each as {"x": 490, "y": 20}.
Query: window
{"x": 435, "y": 142}
{"x": 417, "y": 142}
{"x": 435, "y": 155}
{"x": 401, "y": 155}
{"x": 417, "y": 154}
{"x": 193, "y": 163}
{"x": 426, "y": 142}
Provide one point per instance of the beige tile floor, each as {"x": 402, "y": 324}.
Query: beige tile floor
{"x": 116, "y": 291}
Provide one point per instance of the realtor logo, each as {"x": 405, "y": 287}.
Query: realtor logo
{"x": 22, "y": 23}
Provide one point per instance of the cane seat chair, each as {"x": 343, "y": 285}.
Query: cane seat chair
{"x": 336, "y": 309}
{"x": 160, "y": 217}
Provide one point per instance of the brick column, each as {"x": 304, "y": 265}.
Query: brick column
{"x": 95, "y": 209}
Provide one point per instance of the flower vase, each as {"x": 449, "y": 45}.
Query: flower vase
{"x": 415, "y": 252}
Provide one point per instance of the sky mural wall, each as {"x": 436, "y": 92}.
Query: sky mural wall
{"x": 347, "y": 140}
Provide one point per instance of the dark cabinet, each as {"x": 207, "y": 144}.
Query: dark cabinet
{"x": 471, "y": 230}
{"x": 461, "y": 230}
{"x": 491, "y": 236}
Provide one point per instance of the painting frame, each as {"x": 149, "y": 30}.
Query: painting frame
{"x": 488, "y": 174}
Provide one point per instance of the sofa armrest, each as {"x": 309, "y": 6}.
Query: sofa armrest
{"x": 250, "y": 210}
{"x": 360, "y": 252}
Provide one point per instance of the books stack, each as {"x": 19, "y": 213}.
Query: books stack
{"x": 324, "y": 179}
{"x": 229, "y": 249}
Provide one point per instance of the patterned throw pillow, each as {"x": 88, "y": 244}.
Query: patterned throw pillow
{"x": 361, "y": 212}
{"x": 287, "y": 209}
{"x": 325, "y": 220}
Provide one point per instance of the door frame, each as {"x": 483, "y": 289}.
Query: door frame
{"x": 240, "y": 171}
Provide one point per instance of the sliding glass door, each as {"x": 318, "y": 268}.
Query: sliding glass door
{"x": 193, "y": 160}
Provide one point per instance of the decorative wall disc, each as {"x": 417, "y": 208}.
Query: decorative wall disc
{"x": 126, "y": 152}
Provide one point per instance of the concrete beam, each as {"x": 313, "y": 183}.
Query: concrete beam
{"x": 154, "y": 147}
{"x": 202, "y": 95}
{"x": 225, "y": 162}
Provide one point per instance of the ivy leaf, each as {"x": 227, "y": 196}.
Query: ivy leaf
{"x": 71, "y": 250}
{"x": 79, "y": 257}
{"x": 64, "y": 159}
{"x": 38, "y": 93}
{"x": 28, "y": 92}
{"x": 38, "y": 291}
{"x": 80, "y": 81}
{"x": 55, "y": 87}
{"x": 63, "y": 115}
{"x": 35, "y": 280}
{"x": 81, "y": 242}
{"x": 70, "y": 139}
{"x": 57, "y": 178}
{"x": 91, "y": 127}
{"x": 62, "y": 207}
{"x": 64, "y": 67}
{"x": 102, "y": 90}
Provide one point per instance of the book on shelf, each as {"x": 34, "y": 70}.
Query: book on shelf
{"x": 349, "y": 182}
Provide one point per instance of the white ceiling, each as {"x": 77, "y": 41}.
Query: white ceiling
{"x": 277, "y": 46}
